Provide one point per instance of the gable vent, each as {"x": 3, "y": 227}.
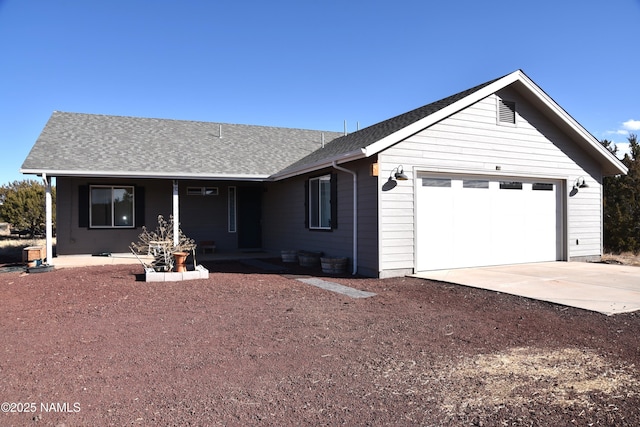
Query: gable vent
{"x": 506, "y": 111}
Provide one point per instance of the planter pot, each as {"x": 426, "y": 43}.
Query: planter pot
{"x": 180, "y": 261}
{"x": 334, "y": 265}
{"x": 309, "y": 259}
{"x": 289, "y": 256}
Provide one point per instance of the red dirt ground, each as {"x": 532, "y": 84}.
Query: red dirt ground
{"x": 97, "y": 346}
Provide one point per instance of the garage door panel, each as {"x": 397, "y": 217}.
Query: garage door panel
{"x": 486, "y": 221}
{"x": 472, "y": 224}
{"x": 543, "y": 221}
{"x": 437, "y": 222}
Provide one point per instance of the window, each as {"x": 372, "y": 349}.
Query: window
{"x": 232, "y": 209}
{"x": 510, "y": 185}
{"x": 506, "y": 112}
{"x": 320, "y": 202}
{"x": 542, "y": 186}
{"x": 111, "y": 207}
{"x": 202, "y": 191}
{"x": 475, "y": 183}
{"x": 436, "y": 182}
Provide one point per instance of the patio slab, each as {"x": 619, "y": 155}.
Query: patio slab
{"x": 85, "y": 260}
{"x": 605, "y": 288}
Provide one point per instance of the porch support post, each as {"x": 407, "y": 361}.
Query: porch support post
{"x": 176, "y": 214}
{"x": 48, "y": 218}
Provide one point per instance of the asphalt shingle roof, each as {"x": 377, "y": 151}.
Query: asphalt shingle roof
{"x": 369, "y": 135}
{"x": 74, "y": 142}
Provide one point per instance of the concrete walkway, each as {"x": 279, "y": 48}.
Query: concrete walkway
{"x": 607, "y": 289}
{"x": 335, "y": 287}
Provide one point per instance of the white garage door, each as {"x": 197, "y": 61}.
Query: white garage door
{"x": 476, "y": 221}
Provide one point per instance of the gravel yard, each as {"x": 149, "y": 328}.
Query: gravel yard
{"x": 97, "y": 346}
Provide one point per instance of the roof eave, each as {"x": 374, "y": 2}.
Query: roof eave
{"x": 441, "y": 114}
{"x": 611, "y": 164}
{"x": 322, "y": 164}
{"x": 143, "y": 175}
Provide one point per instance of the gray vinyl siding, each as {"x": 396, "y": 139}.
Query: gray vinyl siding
{"x": 396, "y": 223}
{"x": 206, "y": 218}
{"x": 201, "y": 217}
{"x": 368, "y": 258}
{"x": 72, "y": 239}
{"x": 284, "y": 218}
{"x": 283, "y": 215}
{"x": 472, "y": 141}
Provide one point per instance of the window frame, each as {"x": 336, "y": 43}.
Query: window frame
{"x": 475, "y": 183}
{"x": 113, "y": 225}
{"x": 511, "y": 185}
{"x": 542, "y": 186}
{"x": 324, "y": 206}
{"x": 435, "y": 182}
{"x": 202, "y": 191}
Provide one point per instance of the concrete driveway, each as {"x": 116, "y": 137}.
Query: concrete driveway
{"x": 608, "y": 289}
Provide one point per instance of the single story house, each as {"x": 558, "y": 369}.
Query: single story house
{"x": 496, "y": 174}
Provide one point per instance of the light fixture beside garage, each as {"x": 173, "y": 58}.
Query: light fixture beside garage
{"x": 580, "y": 183}
{"x": 399, "y": 174}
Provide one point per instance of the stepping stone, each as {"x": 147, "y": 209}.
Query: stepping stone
{"x": 335, "y": 287}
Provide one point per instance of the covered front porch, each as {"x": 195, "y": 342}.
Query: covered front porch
{"x": 104, "y": 215}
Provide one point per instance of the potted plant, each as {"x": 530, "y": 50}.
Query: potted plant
{"x": 159, "y": 243}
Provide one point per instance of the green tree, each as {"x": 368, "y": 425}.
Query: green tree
{"x": 622, "y": 202}
{"x": 22, "y": 204}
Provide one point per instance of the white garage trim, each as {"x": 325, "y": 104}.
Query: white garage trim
{"x": 465, "y": 220}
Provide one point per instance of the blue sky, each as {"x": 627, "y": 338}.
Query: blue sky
{"x": 306, "y": 64}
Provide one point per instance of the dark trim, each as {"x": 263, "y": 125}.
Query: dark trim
{"x": 306, "y": 203}
{"x": 334, "y": 201}
{"x": 83, "y": 206}
{"x": 138, "y": 194}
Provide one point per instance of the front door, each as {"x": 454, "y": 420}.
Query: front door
{"x": 249, "y": 217}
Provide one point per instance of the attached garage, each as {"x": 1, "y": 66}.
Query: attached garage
{"x": 499, "y": 174}
{"x": 470, "y": 221}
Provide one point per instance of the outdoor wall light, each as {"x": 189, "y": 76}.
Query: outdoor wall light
{"x": 399, "y": 174}
{"x": 580, "y": 183}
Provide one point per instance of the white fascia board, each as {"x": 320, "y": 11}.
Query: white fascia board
{"x": 516, "y": 76}
{"x": 150, "y": 175}
{"x": 431, "y": 119}
{"x": 573, "y": 124}
{"x": 324, "y": 163}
